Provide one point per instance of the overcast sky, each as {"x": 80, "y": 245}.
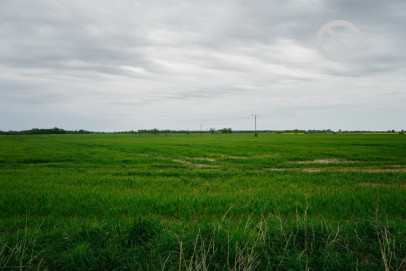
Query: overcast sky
{"x": 126, "y": 65}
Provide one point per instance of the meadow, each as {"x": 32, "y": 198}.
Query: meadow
{"x": 203, "y": 202}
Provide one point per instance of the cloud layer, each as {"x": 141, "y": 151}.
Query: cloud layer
{"x": 124, "y": 65}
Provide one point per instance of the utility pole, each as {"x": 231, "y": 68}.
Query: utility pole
{"x": 201, "y": 128}
{"x": 255, "y": 118}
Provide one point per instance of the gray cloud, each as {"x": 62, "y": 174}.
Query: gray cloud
{"x": 126, "y": 65}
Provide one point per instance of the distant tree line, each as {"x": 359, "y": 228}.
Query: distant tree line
{"x": 36, "y": 131}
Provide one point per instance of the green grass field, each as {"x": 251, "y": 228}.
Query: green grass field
{"x": 203, "y": 202}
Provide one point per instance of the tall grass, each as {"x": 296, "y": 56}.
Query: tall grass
{"x": 21, "y": 253}
{"x": 270, "y": 243}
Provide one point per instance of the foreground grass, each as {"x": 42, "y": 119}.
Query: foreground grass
{"x": 211, "y": 202}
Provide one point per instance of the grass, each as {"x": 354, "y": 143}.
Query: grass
{"x": 203, "y": 202}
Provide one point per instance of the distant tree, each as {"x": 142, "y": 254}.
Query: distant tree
{"x": 226, "y": 131}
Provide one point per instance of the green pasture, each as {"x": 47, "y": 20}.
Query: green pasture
{"x": 203, "y": 202}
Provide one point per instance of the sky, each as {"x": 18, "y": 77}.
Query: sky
{"x": 106, "y": 65}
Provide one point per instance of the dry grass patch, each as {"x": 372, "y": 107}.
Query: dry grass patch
{"x": 379, "y": 184}
{"x": 323, "y": 161}
{"x": 194, "y": 164}
{"x": 282, "y": 169}
{"x": 237, "y": 157}
{"x": 368, "y": 170}
{"x": 312, "y": 170}
{"x": 372, "y": 184}
{"x": 269, "y": 155}
{"x": 144, "y": 154}
{"x": 234, "y": 157}
{"x": 202, "y": 159}
{"x": 378, "y": 170}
